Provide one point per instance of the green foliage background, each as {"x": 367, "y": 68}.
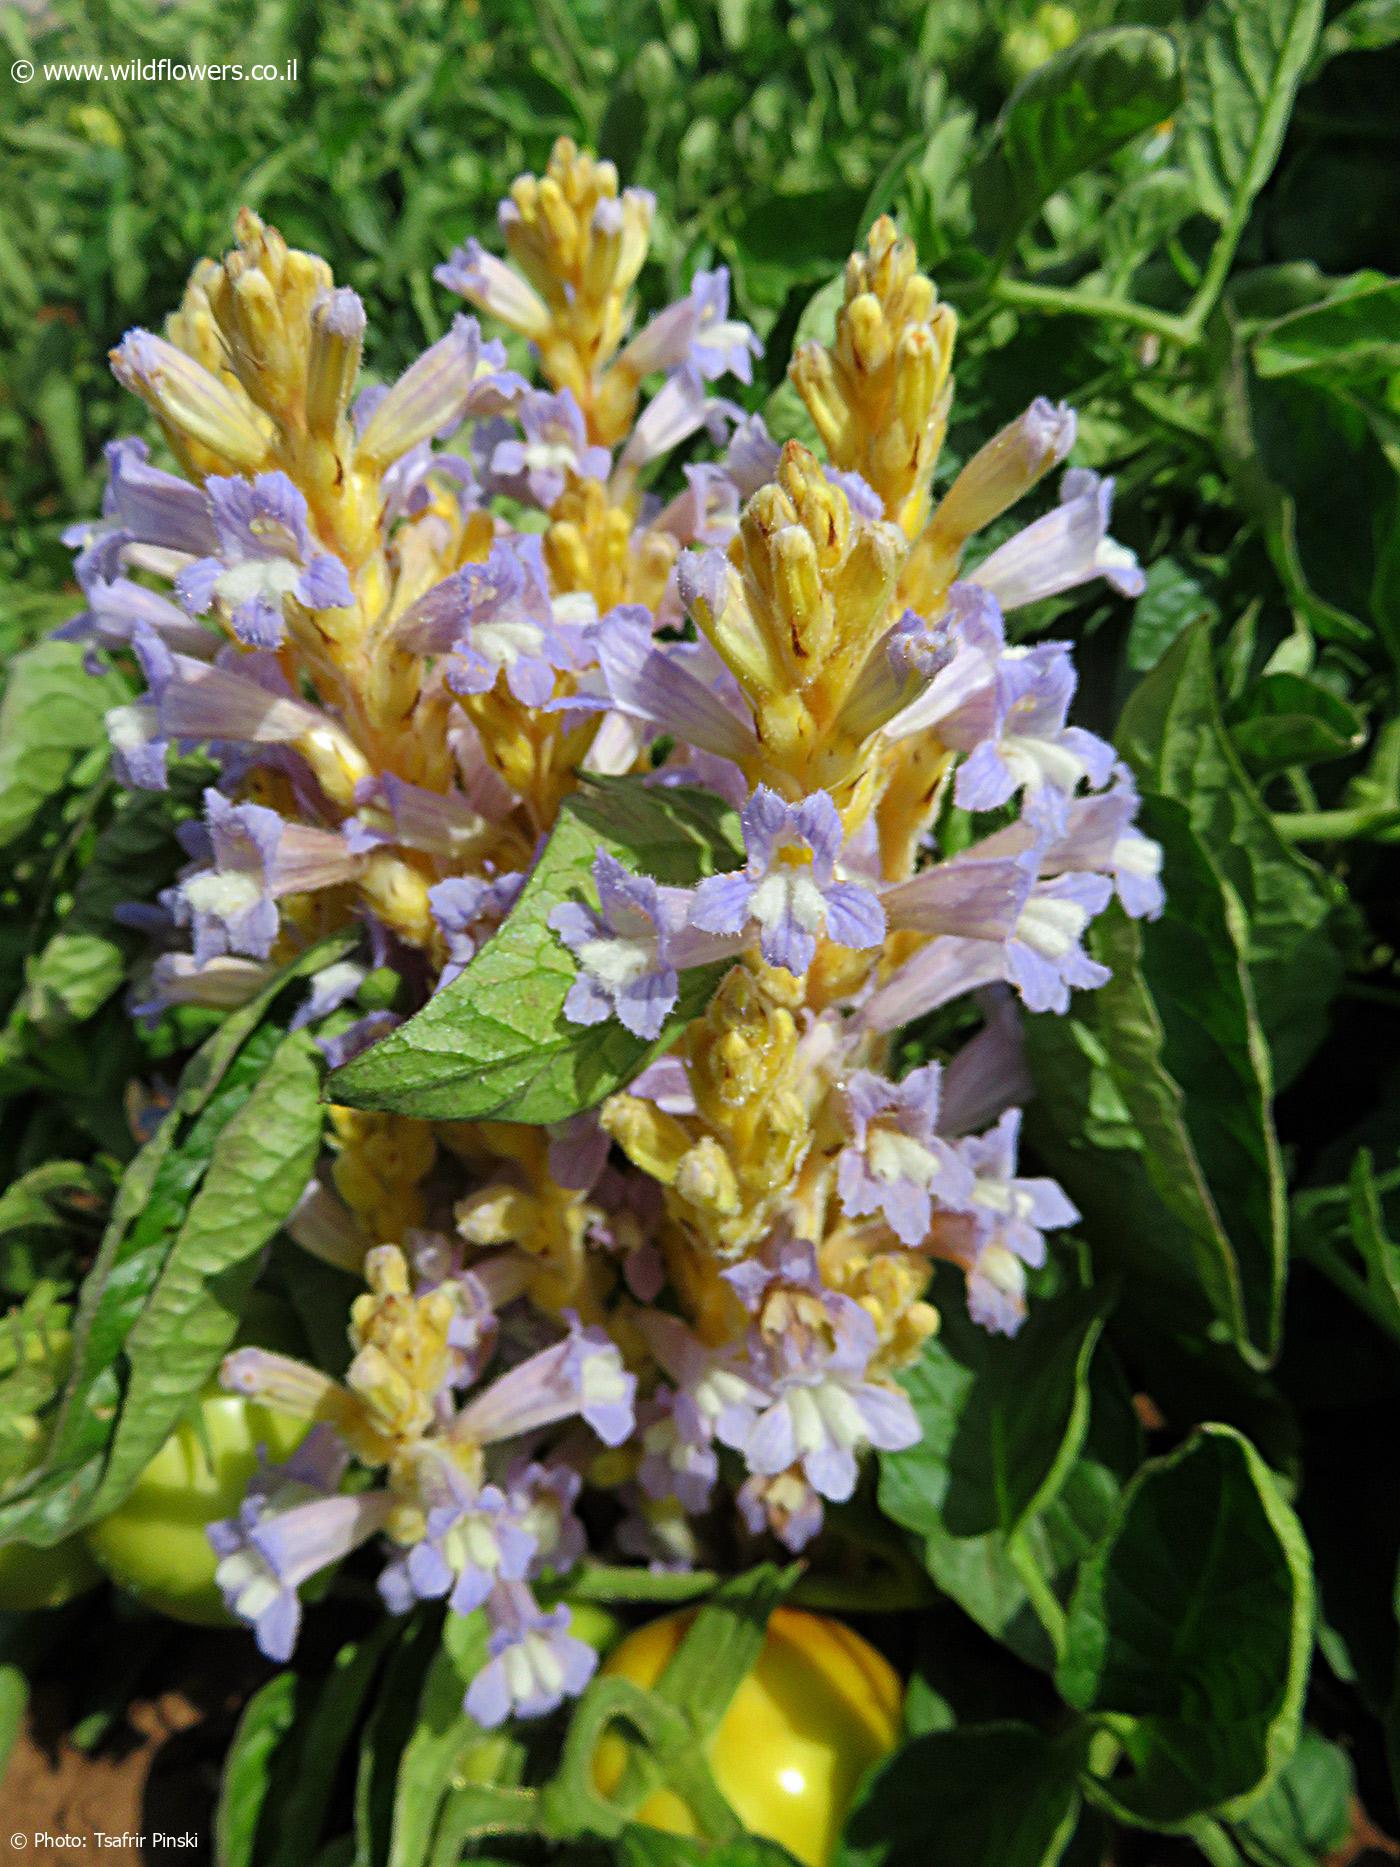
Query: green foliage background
{"x": 1148, "y": 1552}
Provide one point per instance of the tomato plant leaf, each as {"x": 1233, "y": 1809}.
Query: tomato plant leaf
{"x": 52, "y": 711}
{"x": 1194, "y": 1622}
{"x": 172, "y": 1267}
{"x": 1071, "y": 113}
{"x": 996, "y": 1792}
{"x": 495, "y": 1043}
{"x": 1244, "y": 61}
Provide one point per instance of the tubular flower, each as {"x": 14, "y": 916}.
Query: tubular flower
{"x": 407, "y": 626}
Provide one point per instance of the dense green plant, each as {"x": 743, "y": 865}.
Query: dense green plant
{"x": 1146, "y": 1555}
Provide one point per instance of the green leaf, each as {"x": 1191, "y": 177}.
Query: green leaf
{"x": 1344, "y": 1230}
{"x": 1291, "y": 720}
{"x": 443, "y": 1731}
{"x": 1000, "y": 1793}
{"x": 1001, "y": 1422}
{"x": 52, "y": 711}
{"x": 262, "y": 1730}
{"x": 386, "y": 1734}
{"x": 1052, "y": 1478}
{"x": 1188, "y": 1055}
{"x": 1306, "y": 1812}
{"x": 1299, "y": 922}
{"x": 1193, "y": 1626}
{"x": 309, "y": 1763}
{"x": 82, "y": 964}
{"x": 1364, "y": 27}
{"x": 496, "y": 1043}
{"x": 1070, "y": 114}
{"x": 1354, "y": 331}
{"x": 161, "y": 1303}
{"x": 1244, "y": 62}
{"x": 39, "y": 1215}
{"x": 1172, "y": 600}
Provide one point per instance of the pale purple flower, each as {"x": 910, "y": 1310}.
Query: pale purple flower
{"x": 257, "y": 855}
{"x": 495, "y": 287}
{"x": 826, "y": 1410}
{"x": 191, "y": 398}
{"x": 223, "y": 982}
{"x": 265, "y": 554}
{"x": 153, "y": 507}
{"x": 555, "y": 444}
{"x": 626, "y": 966}
{"x": 675, "y": 412}
{"x": 996, "y": 1289}
{"x": 457, "y": 376}
{"x": 119, "y": 610}
{"x": 467, "y": 910}
{"x": 896, "y": 1164}
{"x": 1032, "y": 749}
{"x": 1099, "y": 835}
{"x": 785, "y": 1504}
{"x": 535, "y": 1662}
{"x": 1045, "y": 955}
{"x": 1013, "y": 1211}
{"x": 581, "y": 1376}
{"x": 990, "y": 1073}
{"x": 788, "y": 892}
{"x": 1067, "y": 547}
{"x": 707, "y": 512}
{"x": 498, "y": 618}
{"x": 474, "y": 1539}
{"x": 290, "y": 1526}
{"x": 697, "y": 333}
{"x": 713, "y": 1399}
{"x": 348, "y": 1044}
{"x": 543, "y": 1498}
{"x": 654, "y": 682}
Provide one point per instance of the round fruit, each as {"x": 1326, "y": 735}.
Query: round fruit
{"x": 154, "y": 1543}
{"x": 818, "y": 1709}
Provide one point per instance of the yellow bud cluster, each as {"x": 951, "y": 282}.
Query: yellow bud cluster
{"x": 581, "y": 245}
{"x": 806, "y": 598}
{"x": 379, "y": 1169}
{"x": 402, "y": 1356}
{"x": 728, "y": 1168}
{"x": 523, "y": 1205}
{"x": 865, "y": 1264}
{"x": 880, "y": 392}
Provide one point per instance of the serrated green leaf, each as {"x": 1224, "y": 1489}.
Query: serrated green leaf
{"x": 1070, "y": 114}
{"x": 52, "y": 711}
{"x": 1193, "y": 1624}
{"x": 161, "y": 1302}
{"x": 1244, "y": 62}
{"x": 495, "y": 1043}
{"x": 1000, "y": 1793}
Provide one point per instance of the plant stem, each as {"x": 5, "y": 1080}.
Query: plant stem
{"x": 1042, "y": 1597}
{"x": 1056, "y": 298}
{"x": 1336, "y": 826}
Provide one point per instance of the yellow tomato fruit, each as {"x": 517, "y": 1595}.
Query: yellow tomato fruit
{"x": 154, "y": 1543}
{"x": 818, "y": 1709}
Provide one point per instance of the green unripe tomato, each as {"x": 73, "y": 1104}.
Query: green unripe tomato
{"x": 818, "y": 1709}
{"x": 154, "y": 1543}
{"x": 45, "y": 1578}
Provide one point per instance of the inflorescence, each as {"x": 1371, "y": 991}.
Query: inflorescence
{"x": 402, "y": 658}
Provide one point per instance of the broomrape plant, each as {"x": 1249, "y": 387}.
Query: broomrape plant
{"x": 416, "y": 628}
